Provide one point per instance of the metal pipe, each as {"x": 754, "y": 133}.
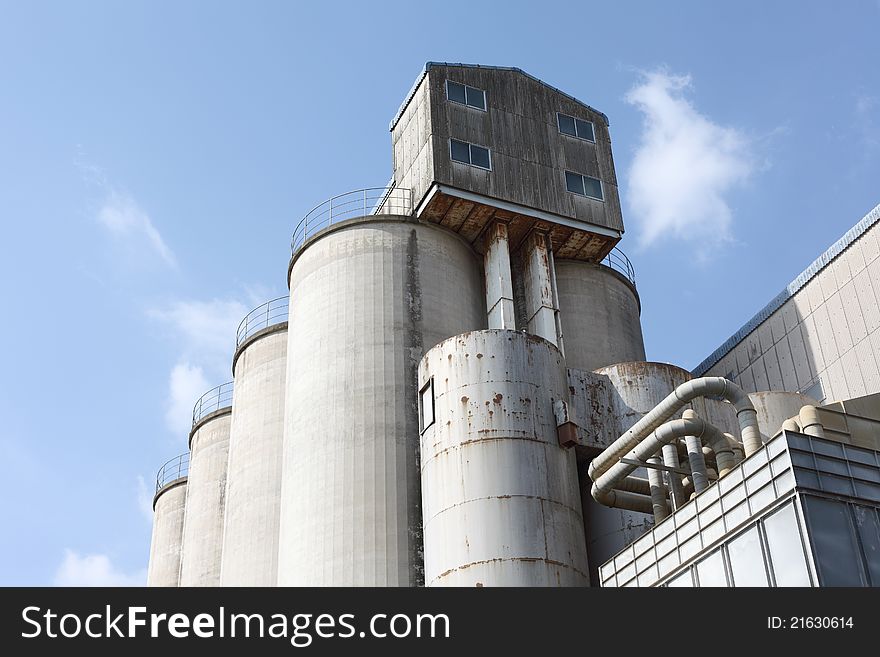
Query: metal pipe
{"x": 662, "y": 435}
{"x": 658, "y": 491}
{"x": 695, "y": 457}
{"x": 670, "y": 459}
{"x": 619, "y": 499}
{"x": 810, "y": 422}
{"x": 713, "y": 386}
{"x": 739, "y": 452}
{"x": 792, "y": 424}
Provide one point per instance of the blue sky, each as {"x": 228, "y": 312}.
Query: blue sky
{"x": 155, "y": 157}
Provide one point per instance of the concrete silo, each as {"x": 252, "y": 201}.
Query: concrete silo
{"x": 371, "y": 293}
{"x": 253, "y": 487}
{"x": 500, "y": 494}
{"x": 206, "y": 488}
{"x": 169, "y": 505}
{"x": 599, "y": 309}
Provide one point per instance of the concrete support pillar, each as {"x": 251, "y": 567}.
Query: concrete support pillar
{"x": 541, "y": 310}
{"x": 499, "y": 281}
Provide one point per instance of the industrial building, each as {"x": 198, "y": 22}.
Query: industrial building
{"x": 455, "y": 392}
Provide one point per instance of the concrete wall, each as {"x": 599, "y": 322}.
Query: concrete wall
{"x": 501, "y": 502}
{"x": 205, "y": 503}
{"x": 168, "y": 512}
{"x": 529, "y": 154}
{"x": 253, "y": 490}
{"x": 828, "y": 331}
{"x": 369, "y": 297}
{"x": 599, "y": 312}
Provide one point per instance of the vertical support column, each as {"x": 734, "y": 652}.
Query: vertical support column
{"x": 499, "y": 282}
{"x": 670, "y": 460}
{"x": 658, "y": 490}
{"x": 541, "y": 310}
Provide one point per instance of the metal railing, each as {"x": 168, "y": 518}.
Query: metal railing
{"x": 213, "y": 400}
{"x": 172, "y": 470}
{"x": 618, "y": 261}
{"x": 358, "y": 203}
{"x": 268, "y": 314}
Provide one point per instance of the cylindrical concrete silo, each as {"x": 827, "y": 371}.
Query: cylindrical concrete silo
{"x": 599, "y": 311}
{"x": 206, "y": 488}
{"x": 500, "y": 495}
{"x": 253, "y": 487}
{"x": 169, "y": 506}
{"x": 775, "y": 407}
{"x": 370, "y": 295}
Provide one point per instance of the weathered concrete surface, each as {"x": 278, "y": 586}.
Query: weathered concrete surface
{"x": 367, "y": 299}
{"x": 599, "y": 311}
{"x": 500, "y": 496}
{"x": 205, "y": 503}
{"x": 253, "y": 489}
{"x": 168, "y": 512}
{"x": 774, "y": 408}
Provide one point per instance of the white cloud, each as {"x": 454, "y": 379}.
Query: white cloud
{"x": 94, "y": 570}
{"x": 122, "y": 216}
{"x": 685, "y": 167}
{"x": 207, "y": 328}
{"x": 145, "y": 499}
{"x": 186, "y": 384}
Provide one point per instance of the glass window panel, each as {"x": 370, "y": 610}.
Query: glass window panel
{"x": 686, "y": 530}
{"x": 684, "y": 514}
{"x": 427, "y": 405}
{"x": 837, "y": 557}
{"x": 834, "y": 484}
{"x": 712, "y": 532}
{"x": 710, "y": 514}
{"x": 730, "y": 480}
{"x": 574, "y": 182}
{"x": 646, "y": 560}
{"x": 683, "y": 580}
{"x": 734, "y": 497}
{"x": 690, "y": 548}
{"x": 775, "y": 447}
{"x": 649, "y": 577}
{"x": 710, "y": 571}
{"x": 585, "y": 130}
{"x": 736, "y": 516}
{"x": 806, "y": 478}
{"x": 455, "y": 92}
{"x": 566, "y": 125}
{"x": 666, "y": 545}
{"x": 627, "y": 573}
{"x": 644, "y": 543}
{"x": 825, "y": 464}
{"x": 784, "y": 482}
{"x": 787, "y": 558}
{"x": 868, "y": 527}
{"x": 754, "y": 462}
{"x": 476, "y": 98}
{"x": 623, "y": 558}
{"x": 758, "y": 480}
{"x": 480, "y": 156}
{"x": 761, "y": 499}
{"x": 780, "y": 463}
{"x": 593, "y": 187}
{"x": 799, "y": 440}
{"x": 859, "y": 455}
{"x": 868, "y": 491}
{"x": 865, "y": 472}
{"x": 804, "y": 460}
{"x": 668, "y": 563}
{"x": 663, "y": 529}
{"x": 460, "y": 151}
{"x": 747, "y": 559}
{"x": 828, "y": 448}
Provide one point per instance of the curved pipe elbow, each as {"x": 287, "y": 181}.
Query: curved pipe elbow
{"x": 810, "y": 422}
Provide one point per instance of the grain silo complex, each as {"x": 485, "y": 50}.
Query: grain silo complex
{"x": 456, "y": 391}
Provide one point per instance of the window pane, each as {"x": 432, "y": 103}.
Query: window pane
{"x": 585, "y": 130}
{"x": 685, "y": 579}
{"x": 566, "y": 125}
{"x": 476, "y": 98}
{"x": 869, "y": 533}
{"x": 747, "y": 560}
{"x": 455, "y": 91}
{"x": 710, "y": 570}
{"x": 427, "y": 401}
{"x": 480, "y": 156}
{"x": 574, "y": 182}
{"x": 837, "y": 558}
{"x": 786, "y": 549}
{"x": 460, "y": 151}
{"x": 593, "y": 186}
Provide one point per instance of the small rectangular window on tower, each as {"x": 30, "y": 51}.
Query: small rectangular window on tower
{"x": 568, "y": 125}
{"x": 584, "y": 185}
{"x": 465, "y": 95}
{"x": 477, "y": 156}
{"x": 426, "y": 405}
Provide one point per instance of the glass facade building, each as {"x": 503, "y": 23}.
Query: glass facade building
{"x": 802, "y": 511}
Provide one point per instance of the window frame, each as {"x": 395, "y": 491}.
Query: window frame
{"x": 583, "y": 176}
{"x": 470, "y": 161}
{"x": 427, "y": 388}
{"x": 485, "y": 107}
{"x": 576, "y": 119}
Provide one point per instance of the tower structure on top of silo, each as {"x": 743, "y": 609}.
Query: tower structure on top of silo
{"x": 253, "y": 487}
